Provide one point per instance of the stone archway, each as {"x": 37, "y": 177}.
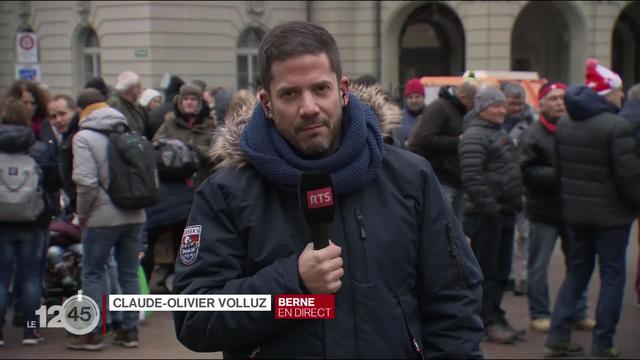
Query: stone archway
{"x": 625, "y": 45}
{"x": 558, "y": 45}
{"x": 422, "y": 39}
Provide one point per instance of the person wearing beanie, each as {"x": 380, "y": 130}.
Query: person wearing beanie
{"x": 150, "y": 99}
{"x": 491, "y": 182}
{"x": 599, "y": 175}
{"x": 604, "y": 81}
{"x": 106, "y": 227}
{"x": 99, "y": 84}
{"x": 413, "y": 106}
{"x": 128, "y": 89}
{"x": 519, "y": 116}
{"x": 436, "y": 136}
{"x": 190, "y": 123}
{"x": 543, "y": 208}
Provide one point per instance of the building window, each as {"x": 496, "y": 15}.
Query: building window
{"x": 247, "y": 58}
{"x": 89, "y": 48}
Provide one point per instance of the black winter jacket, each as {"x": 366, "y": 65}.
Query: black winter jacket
{"x": 597, "y": 162}
{"x": 541, "y": 182}
{"x": 66, "y": 163}
{"x": 14, "y": 138}
{"x": 411, "y": 286}
{"x": 631, "y": 112}
{"x": 436, "y": 133}
{"x": 491, "y": 177}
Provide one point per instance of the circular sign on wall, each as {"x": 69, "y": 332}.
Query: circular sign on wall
{"x": 27, "y": 41}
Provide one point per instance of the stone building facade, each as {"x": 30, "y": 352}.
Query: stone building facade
{"x": 394, "y": 40}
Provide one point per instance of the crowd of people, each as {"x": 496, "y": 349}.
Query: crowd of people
{"x": 496, "y": 167}
{"x": 570, "y": 170}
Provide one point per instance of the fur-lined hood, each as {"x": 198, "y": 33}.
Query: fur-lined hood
{"x": 226, "y": 150}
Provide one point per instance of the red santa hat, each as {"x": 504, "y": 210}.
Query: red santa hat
{"x": 599, "y": 78}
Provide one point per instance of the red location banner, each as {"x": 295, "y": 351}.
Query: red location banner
{"x": 305, "y": 307}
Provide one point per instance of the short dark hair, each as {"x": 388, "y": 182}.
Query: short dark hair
{"x": 88, "y": 97}
{"x": 71, "y": 105}
{"x": 296, "y": 38}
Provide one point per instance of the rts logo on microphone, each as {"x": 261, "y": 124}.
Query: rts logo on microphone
{"x": 320, "y": 198}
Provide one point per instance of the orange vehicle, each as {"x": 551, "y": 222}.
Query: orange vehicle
{"x": 529, "y": 80}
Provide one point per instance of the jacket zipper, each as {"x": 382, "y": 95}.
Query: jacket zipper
{"x": 360, "y": 220}
{"x": 453, "y": 251}
{"x": 417, "y": 347}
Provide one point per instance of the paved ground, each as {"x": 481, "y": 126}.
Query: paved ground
{"x": 158, "y": 340}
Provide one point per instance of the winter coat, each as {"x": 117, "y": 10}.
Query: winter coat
{"x": 174, "y": 205}
{"x": 66, "y": 162}
{"x": 436, "y": 135}
{"x": 407, "y": 124}
{"x": 21, "y": 139}
{"x": 597, "y": 162}
{"x": 133, "y": 112}
{"x": 199, "y": 136}
{"x": 411, "y": 286}
{"x": 91, "y": 172}
{"x": 541, "y": 181}
{"x": 491, "y": 177}
{"x": 515, "y": 126}
{"x": 631, "y": 112}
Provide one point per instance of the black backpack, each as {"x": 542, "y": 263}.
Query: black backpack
{"x": 133, "y": 176}
{"x": 176, "y": 160}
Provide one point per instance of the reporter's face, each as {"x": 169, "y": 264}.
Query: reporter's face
{"x": 305, "y": 103}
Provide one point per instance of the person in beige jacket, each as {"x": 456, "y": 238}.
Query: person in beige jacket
{"x": 104, "y": 226}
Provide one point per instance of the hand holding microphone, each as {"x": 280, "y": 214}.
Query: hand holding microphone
{"x": 320, "y": 264}
{"x": 321, "y": 270}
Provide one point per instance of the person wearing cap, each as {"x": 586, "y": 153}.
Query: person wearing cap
{"x": 413, "y": 106}
{"x": 543, "y": 208}
{"x": 492, "y": 188}
{"x": 599, "y": 176}
{"x": 190, "y": 123}
{"x": 436, "y": 137}
{"x": 128, "y": 90}
{"x": 150, "y": 99}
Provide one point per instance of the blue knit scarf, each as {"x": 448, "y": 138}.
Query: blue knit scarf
{"x": 355, "y": 164}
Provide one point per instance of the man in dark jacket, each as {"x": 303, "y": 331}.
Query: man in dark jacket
{"x": 413, "y": 106}
{"x": 631, "y": 112}
{"x": 407, "y": 284}
{"x": 491, "y": 182}
{"x": 128, "y": 90}
{"x": 599, "y": 172}
{"x": 543, "y": 208}
{"x": 65, "y": 116}
{"x": 437, "y": 134}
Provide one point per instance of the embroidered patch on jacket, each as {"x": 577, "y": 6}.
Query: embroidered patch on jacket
{"x": 190, "y": 244}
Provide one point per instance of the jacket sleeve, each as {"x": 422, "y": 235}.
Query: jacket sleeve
{"x": 220, "y": 269}
{"x": 626, "y": 164}
{"x": 449, "y": 282}
{"x": 428, "y": 136}
{"x": 537, "y": 168}
{"x": 85, "y": 175}
{"x": 473, "y": 152}
{"x": 161, "y": 133}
